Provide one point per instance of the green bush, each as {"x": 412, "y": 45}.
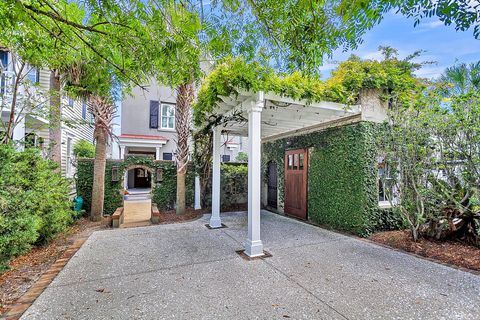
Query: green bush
{"x": 242, "y": 156}
{"x": 234, "y": 184}
{"x": 84, "y": 149}
{"x": 34, "y": 202}
{"x": 388, "y": 219}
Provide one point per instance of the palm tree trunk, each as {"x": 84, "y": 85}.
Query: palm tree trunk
{"x": 98, "y": 188}
{"x": 55, "y": 115}
{"x": 185, "y": 96}
{"x": 102, "y": 109}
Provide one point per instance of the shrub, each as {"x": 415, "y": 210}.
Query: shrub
{"x": 242, "y": 157}
{"x": 234, "y": 184}
{"x": 34, "y": 202}
{"x": 84, "y": 149}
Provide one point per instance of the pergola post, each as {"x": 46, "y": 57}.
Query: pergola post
{"x": 197, "y": 204}
{"x": 254, "y": 245}
{"x": 215, "y": 221}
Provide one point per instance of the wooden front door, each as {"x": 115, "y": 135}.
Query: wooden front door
{"x": 272, "y": 185}
{"x": 296, "y": 169}
{"x": 142, "y": 178}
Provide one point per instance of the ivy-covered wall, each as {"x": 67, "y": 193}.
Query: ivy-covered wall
{"x": 163, "y": 194}
{"x": 234, "y": 183}
{"x": 342, "y": 175}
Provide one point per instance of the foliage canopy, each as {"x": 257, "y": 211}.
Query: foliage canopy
{"x": 393, "y": 76}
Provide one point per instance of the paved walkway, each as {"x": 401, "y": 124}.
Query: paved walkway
{"x": 137, "y": 213}
{"x": 185, "y": 271}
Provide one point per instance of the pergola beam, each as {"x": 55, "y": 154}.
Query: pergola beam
{"x": 321, "y": 105}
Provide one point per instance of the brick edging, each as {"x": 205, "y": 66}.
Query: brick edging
{"x": 29, "y": 297}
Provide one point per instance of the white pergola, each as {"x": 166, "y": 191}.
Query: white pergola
{"x": 265, "y": 117}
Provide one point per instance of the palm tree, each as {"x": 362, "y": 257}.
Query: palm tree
{"x": 185, "y": 96}
{"x": 55, "y": 118}
{"x": 92, "y": 85}
{"x": 462, "y": 77}
{"x": 103, "y": 110}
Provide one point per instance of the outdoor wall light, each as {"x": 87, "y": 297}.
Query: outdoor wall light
{"x": 114, "y": 174}
{"x": 159, "y": 175}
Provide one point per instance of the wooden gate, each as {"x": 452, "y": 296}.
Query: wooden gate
{"x": 296, "y": 169}
{"x": 272, "y": 185}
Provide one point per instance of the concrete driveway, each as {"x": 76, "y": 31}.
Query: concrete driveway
{"x": 185, "y": 271}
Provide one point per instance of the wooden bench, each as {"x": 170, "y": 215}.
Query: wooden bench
{"x": 155, "y": 218}
{"x": 117, "y": 218}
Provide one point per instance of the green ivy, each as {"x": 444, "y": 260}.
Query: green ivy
{"x": 234, "y": 183}
{"x": 342, "y": 175}
{"x": 163, "y": 193}
{"x": 393, "y": 76}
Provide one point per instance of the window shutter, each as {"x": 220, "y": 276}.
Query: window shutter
{"x": 154, "y": 114}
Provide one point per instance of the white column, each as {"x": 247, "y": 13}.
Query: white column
{"x": 157, "y": 153}
{"x": 18, "y": 135}
{"x": 197, "y": 206}
{"x": 215, "y": 221}
{"x": 122, "y": 152}
{"x": 254, "y": 245}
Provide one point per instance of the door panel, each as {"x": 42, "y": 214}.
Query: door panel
{"x": 272, "y": 185}
{"x": 296, "y": 169}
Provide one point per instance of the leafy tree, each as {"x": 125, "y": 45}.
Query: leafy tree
{"x": 19, "y": 95}
{"x": 84, "y": 149}
{"x": 242, "y": 157}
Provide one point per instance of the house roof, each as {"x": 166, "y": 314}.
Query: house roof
{"x": 142, "y": 136}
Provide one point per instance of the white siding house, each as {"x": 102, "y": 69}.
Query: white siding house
{"x": 32, "y": 125}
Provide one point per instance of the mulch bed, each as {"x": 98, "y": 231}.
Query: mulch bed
{"x": 26, "y": 269}
{"x": 171, "y": 216}
{"x": 191, "y": 214}
{"x": 450, "y": 252}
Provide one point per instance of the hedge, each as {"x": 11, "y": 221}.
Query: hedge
{"x": 234, "y": 182}
{"x": 342, "y": 175}
{"x": 34, "y": 201}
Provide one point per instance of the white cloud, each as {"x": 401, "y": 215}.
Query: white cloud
{"x": 373, "y": 55}
{"x": 433, "y": 24}
{"x": 430, "y": 72}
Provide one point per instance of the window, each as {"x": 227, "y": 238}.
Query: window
{"x": 385, "y": 190}
{"x": 167, "y": 156}
{"x": 153, "y": 114}
{"x": 4, "y": 65}
{"x": 69, "y": 157}
{"x": 226, "y": 158}
{"x": 4, "y": 59}
{"x": 33, "y": 75}
{"x": 30, "y": 140}
{"x": 290, "y": 161}
{"x": 70, "y": 102}
{"x": 84, "y": 110}
{"x": 168, "y": 116}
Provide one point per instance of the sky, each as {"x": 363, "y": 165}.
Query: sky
{"x": 442, "y": 44}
